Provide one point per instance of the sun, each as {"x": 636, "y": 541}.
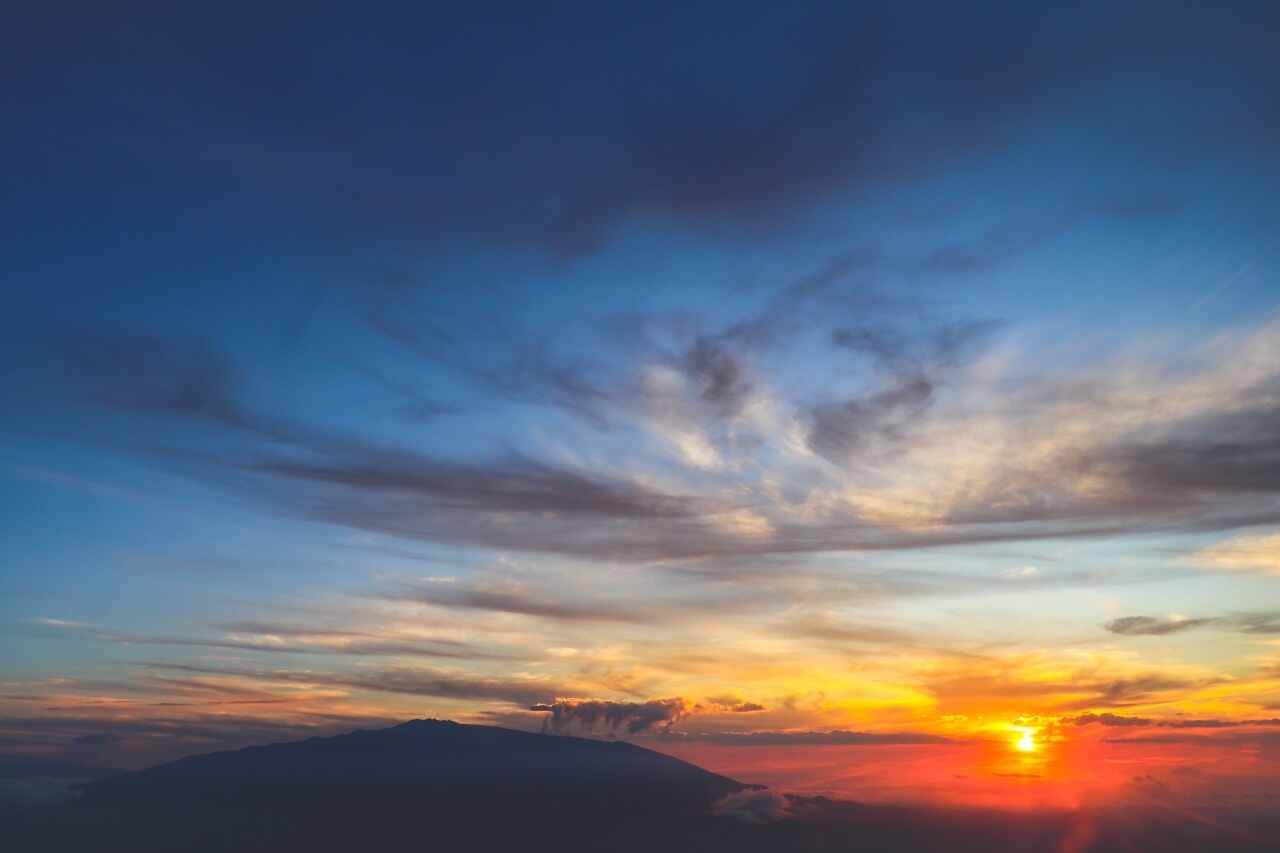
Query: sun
{"x": 1026, "y": 743}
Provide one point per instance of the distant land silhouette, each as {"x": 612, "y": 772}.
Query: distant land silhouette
{"x": 431, "y": 785}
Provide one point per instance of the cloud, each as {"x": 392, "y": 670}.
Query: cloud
{"x": 1109, "y": 719}
{"x": 1114, "y": 720}
{"x": 1150, "y": 625}
{"x": 521, "y": 486}
{"x": 1245, "y": 623}
{"x": 748, "y": 707}
{"x": 278, "y": 638}
{"x": 404, "y": 679}
{"x": 754, "y": 805}
{"x": 831, "y": 738}
{"x": 93, "y": 747}
{"x": 1217, "y": 724}
{"x": 507, "y": 597}
{"x": 719, "y": 376}
{"x": 1153, "y": 739}
{"x": 841, "y": 430}
{"x": 1245, "y": 553}
{"x": 627, "y": 123}
{"x": 37, "y": 792}
{"x": 150, "y": 374}
{"x": 1029, "y": 458}
{"x": 1024, "y": 572}
{"x": 635, "y": 717}
{"x": 1258, "y": 623}
{"x": 1004, "y": 240}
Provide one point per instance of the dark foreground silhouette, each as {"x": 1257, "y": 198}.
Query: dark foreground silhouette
{"x": 429, "y": 785}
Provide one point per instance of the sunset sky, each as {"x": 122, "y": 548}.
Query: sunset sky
{"x": 834, "y": 392}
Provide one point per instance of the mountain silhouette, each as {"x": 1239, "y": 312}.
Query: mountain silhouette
{"x": 431, "y": 785}
{"x": 425, "y": 784}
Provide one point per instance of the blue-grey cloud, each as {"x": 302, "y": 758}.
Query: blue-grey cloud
{"x": 1153, "y": 626}
{"x": 550, "y": 127}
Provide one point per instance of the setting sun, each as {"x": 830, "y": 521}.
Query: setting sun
{"x": 1026, "y": 743}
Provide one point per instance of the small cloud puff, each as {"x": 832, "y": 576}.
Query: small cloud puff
{"x": 754, "y": 805}
{"x": 636, "y": 717}
{"x": 1022, "y": 572}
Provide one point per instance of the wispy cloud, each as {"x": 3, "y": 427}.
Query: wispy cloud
{"x": 1008, "y": 458}
{"x": 1259, "y": 553}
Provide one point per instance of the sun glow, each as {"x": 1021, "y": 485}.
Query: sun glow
{"x": 1026, "y": 743}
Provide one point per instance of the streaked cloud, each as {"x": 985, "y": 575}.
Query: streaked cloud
{"x": 1150, "y": 625}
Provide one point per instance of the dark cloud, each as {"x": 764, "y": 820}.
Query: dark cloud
{"x": 1245, "y": 623}
{"x": 1153, "y": 739}
{"x": 914, "y": 357}
{"x": 917, "y": 347}
{"x": 831, "y": 738}
{"x": 754, "y": 805}
{"x": 417, "y": 682}
{"x": 152, "y": 375}
{"x": 93, "y": 747}
{"x": 1233, "y": 453}
{"x": 556, "y": 602}
{"x": 719, "y": 376}
{"x": 1258, "y": 623}
{"x": 407, "y": 680}
{"x": 1005, "y": 240}
{"x": 635, "y": 717}
{"x": 518, "y": 366}
{"x": 1148, "y": 779}
{"x": 1114, "y": 720}
{"x": 145, "y": 740}
{"x": 36, "y": 792}
{"x": 1127, "y": 691}
{"x": 493, "y": 122}
{"x": 514, "y": 600}
{"x": 1150, "y": 625}
{"x": 268, "y": 638}
{"x": 520, "y": 485}
{"x": 1109, "y": 719}
{"x": 839, "y": 431}
{"x": 1218, "y": 724}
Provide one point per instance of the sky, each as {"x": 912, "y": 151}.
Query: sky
{"x": 830, "y": 393}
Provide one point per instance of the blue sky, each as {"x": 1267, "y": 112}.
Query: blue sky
{"x": 454, "y": 360}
